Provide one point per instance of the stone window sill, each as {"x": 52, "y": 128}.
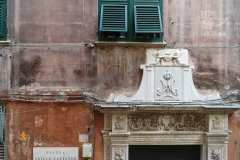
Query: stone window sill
{"x": 126, "y": 44}
{"x": 8, "y": 42}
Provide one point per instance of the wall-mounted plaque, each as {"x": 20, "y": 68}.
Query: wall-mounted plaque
{"x": 55, "y": 153}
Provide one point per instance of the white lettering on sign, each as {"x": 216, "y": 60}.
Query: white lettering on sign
{"x": 55, "y": 153}
{"x": 210, "y": 23}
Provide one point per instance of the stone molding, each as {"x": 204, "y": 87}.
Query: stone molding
{"x": 165, "y": 109}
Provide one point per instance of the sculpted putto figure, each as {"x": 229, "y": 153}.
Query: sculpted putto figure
{"x": 160, "y": 57}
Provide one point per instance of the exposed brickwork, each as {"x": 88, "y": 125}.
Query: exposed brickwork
{"x": 99, "y": 147}
{"x": 234, "y": 140}
{"x": 49, "y": 125}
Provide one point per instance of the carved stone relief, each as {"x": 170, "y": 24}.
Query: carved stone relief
{"x": 178, "y": 122}
{"x": 215, "y": 154}
{"x": 119, "y": 154}
{"x": 218, "y": 123}
{"x": 166, "y": 58}
{"x": 167, "y": 83}
{"x": 119, "y": 123}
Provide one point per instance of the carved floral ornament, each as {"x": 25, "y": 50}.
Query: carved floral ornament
{"x": 178, "y": 122}
{"x": 119, "y": 154}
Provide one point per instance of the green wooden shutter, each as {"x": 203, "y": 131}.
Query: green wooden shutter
{"x": 147, "y": 19}
{"x": 2, "y": 19}
{"x": 1, "y": 123}
{"x": 114, "y": 0}
{"x": 2, "y": 131}
{"x": 147, "y": 1}
{"x": 113, "y": 18}
{"x": 1, "y": 151}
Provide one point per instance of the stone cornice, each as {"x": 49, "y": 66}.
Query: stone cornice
{"x": 127, "y": 134}
{"x": 167, "y": 109}
{"x": 217, "y": 134}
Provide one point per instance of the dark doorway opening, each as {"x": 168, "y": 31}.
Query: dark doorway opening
{"x": 164, "y": 152}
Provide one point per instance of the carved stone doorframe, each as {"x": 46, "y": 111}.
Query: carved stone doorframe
{"x": 166, "y": 125}
{"x": 166, "y": 109}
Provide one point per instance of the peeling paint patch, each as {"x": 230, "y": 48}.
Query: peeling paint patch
{"x": 236, "y": 115}
{"x": 64, "y": 108}
{"x": 26, "y": 150}
{"x": 37, "y": 144}
{"x": 38, "y": 121}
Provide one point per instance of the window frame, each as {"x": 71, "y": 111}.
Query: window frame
{"x": 3, "y": 20}
{"x": 130, "y": 20}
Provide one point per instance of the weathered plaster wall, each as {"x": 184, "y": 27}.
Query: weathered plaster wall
{"x": 48, "y": 52}
{"x": 49, "y": 37}
{"x": 52, "y": 21}
{"x": 46, "y": 125}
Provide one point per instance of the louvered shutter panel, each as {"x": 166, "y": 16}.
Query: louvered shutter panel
{"x": 1, "y": 123}
{"x": 113, "y": 18}
{"x": 1, "y": 151}
{"x": 147, "y": 19}
{"x": 2, "y": 18}
{"x": 147, "y": 1}
{"x": 114, "y": 0}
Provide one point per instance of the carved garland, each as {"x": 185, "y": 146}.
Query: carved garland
{"x": 182, "y": 122}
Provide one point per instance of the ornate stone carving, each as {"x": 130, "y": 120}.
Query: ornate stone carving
{"x": 216, "y": 123}
{"x": 215, "y": 154}
{"x": 119, "y": 154}
{"x": 167, "y": 57}
{"x": 107, "y": 151}
{"x": 180, "y": 122}
{"x": 167, "y": 85}
{"x": 119, "y": 124}
{"x": 107, "y": 121}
